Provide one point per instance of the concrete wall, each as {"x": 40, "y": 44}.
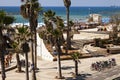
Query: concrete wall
{"x": 42, "y": 50}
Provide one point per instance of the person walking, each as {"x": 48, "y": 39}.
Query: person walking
{"x": 32, "y": 66}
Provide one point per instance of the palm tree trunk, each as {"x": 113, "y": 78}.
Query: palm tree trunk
{"x": 76, "y": 68}
{"x": 68, "y": 29}
{"x": 26, "y": 59}
{"x": 32, "y": 48}
{"x": 32, "y": 53}
{"x": 18, "y": 63}
{"x": 2, "y": 67}
{"x": 2, "y": 47}
{"x": 35, "y": 49}
{"x": 59, "y": 62}
{"x": 59, "y": 66}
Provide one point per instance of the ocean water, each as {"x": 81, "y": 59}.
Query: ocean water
{"x": 76, "y": 13}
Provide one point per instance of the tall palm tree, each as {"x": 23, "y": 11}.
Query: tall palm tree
{"x": 54, "y": 28}
{"x": 3, "y": 23}
{"x": 2, "y": 15}
{"x": 30, "y": 10}
{"x": 57, "y": 33}
{"x": 67, "y": 4}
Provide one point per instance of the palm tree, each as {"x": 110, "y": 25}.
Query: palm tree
{"x": 48, "y": 15}
{"x": 115, "y": 20}
{"x": 30, "y": 10}
{"x": 2, "y": 15}
{"x": 57, "y": 34}
{"x": 18, "y": 40}
{"x": 16, "y": 47}
{"x": 24, "y": 33}
{"x": 67, "y": 4}
{"x": 54, "y": 28}
{"x": 26, "y": 49}
{"x": 3, "y": 23}
{"x": 75, "y": 56}
{"x": 20, "y": 46}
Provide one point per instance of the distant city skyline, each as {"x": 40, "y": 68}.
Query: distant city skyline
{"x": 60, "y": 2}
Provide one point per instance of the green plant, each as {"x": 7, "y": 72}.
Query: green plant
{"x": 75, "y": 56}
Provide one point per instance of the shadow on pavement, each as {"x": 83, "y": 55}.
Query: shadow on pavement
{"x": 118, "y": 78}
{"x": 79, "y": 77}
{"x": 63, "y": 67}
{"x": 49, "y": 68}
{"x": 67, "y": 67}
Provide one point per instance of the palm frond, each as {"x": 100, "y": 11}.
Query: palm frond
{"x": 75, "y": 56}
{"x": 67, "y": 3}
{"x": 2, "y": 15}
{"x": 24, "y": 11}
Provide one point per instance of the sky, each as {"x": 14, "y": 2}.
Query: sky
{"x": 60, "y": 2}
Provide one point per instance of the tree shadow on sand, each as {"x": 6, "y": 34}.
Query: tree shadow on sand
{"x": 63, "y": 67}
{"x": 67, "y": 67}
{"x": 79, "y": 77}
{"x": 49, "y": 68}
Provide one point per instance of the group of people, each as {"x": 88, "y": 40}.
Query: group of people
{"x": 101, "y": 65}
{"x": 7, "y": 60}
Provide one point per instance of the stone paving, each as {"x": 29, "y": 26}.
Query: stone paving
{"x": 106, "y": 75}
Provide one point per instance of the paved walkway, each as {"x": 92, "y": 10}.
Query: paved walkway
{"x": 106, "y": 75}
{"x": 48, "y": 70}
{"x": 12, "y": 65}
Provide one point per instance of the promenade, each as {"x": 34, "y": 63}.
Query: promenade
{"x": 108, "y": 74}
{"x": 48, "y": 70}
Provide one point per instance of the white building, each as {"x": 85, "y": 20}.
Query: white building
{"x": 96, "y": 18}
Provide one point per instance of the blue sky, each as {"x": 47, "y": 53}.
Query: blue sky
{"x": 60, "y": 2}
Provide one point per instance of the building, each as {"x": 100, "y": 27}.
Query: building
{"x": 95, "y": 18}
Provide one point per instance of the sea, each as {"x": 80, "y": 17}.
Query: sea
{"x": 76, "y": 13}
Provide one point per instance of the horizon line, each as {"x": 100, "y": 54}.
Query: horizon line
{"x": 61, "y": 6}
